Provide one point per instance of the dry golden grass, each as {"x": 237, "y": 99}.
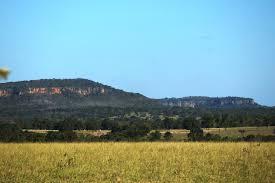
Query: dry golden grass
{"x": 137, "y": 162}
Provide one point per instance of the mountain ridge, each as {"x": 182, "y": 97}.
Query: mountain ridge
{"x": 56, "y": 93}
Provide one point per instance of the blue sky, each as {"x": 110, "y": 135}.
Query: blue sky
{"x": 158, "y": 48}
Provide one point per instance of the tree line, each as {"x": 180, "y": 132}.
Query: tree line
{"x": 122, "y": 131}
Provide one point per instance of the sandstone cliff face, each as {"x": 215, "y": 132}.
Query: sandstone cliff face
{"x": 4, "y": 93}
{"x": 193, "y": 102}
{"x": 179, "y": 103}
{"x": 53, "y": 91}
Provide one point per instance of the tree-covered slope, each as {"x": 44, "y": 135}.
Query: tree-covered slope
{"x": 66, "y": 93}
{"x": 65, "y": 97}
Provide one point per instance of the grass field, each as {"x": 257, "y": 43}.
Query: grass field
{"x": 137, "y": 162}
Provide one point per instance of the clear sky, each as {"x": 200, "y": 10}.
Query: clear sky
{"x": 170, "y": 48}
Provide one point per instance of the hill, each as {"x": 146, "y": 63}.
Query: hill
{"x": 56, "y": 93}
{"x": 82, "y": 97}
{"x": 66, "y": 93}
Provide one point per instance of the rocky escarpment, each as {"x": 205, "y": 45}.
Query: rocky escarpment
{"x": 80, "y": 87}
{"x": 208, "y": 102}
{"x": 58, "y": 93}
{"x": 84, "y": 91}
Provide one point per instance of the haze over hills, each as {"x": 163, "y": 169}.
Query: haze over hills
{"x": 73, "y": 93}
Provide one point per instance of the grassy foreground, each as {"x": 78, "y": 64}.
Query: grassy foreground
{"x": 137, "y": 162}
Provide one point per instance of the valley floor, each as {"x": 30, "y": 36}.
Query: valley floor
{"x": 137, "y": 162}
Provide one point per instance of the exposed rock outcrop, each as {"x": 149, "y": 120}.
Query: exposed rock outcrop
{"x": 85, "y": 91}
{"x": 208, "y": 102}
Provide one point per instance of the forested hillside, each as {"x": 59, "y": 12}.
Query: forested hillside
{"x": 42, "y": 104}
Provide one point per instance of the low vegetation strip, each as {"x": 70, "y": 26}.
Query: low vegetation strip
{"x": 137, "y": 162}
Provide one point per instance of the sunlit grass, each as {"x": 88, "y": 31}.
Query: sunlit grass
{"x": 137, "y": 162}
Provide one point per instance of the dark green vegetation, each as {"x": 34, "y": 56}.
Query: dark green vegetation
{"x": 10, "y": 132}
{"x": 105, "y": 118}
{"x": 67, "y": 105}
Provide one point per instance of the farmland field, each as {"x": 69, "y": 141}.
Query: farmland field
{"x": 137, "y": 162}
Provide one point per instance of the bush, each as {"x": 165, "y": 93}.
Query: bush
{"x": 134, "y": 131}
{"x": 196, "y": 134}
{"x": 153, "y": 136}
{"x": 66, "y": 136}
{"x": 168, "y": 135}
{"x": 250, "y": 138}
{"x": 212, "y": 137}
{"x": 10, "y": 132}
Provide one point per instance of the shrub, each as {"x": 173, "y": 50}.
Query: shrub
{"x": 153, "y": 136}
{"x": 168, "y": 135}
{"x": 196, "y": 134}
{"x": 66, "y": 136}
